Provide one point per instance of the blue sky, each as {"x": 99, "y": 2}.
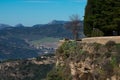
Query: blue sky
{"x": 30, "y": 12}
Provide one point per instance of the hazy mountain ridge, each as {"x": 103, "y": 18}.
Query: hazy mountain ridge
{"x": 4, "y": 26}
{"x": 15, "y": 42}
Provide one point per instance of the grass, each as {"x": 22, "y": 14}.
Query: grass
{"x": 118, "y": 46}
{"x": 44, "y": 40}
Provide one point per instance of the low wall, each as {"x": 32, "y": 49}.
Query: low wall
{"x": 101, "y": 40}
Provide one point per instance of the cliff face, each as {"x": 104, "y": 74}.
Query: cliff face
{"x": 88, "y": 61}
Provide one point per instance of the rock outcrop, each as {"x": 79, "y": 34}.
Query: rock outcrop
{"x": 89, "y": 61}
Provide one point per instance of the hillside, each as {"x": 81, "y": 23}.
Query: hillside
{"x": 53, "y": 29}
{"x": 87, "y": 61}
{"x": 13, "y": 48}
{"x": 24, "y": 42}
{"x": 30, "y": 69}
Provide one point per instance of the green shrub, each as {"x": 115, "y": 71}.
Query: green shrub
{"x": 110, "y": 43}
{"x": 53, "y": 75}
{"x": 59, "y": 73}
{"x": 113, "y": 61}
{"x": 96, "y": 33}
{"x": 67, "y": 49}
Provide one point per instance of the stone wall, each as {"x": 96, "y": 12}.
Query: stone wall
{"x": 101, "y": 40}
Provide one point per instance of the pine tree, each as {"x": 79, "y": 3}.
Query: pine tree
{"x": 104, "y": 15}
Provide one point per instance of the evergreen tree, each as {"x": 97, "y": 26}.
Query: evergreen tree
{"x": 104, "y": 15}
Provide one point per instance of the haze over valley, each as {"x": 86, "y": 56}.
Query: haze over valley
{"x": 17, "y": 42}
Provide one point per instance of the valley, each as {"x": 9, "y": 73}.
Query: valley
{"x": 22, "y": 42}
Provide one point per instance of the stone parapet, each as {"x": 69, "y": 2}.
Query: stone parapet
{"x": 101, "y": 40}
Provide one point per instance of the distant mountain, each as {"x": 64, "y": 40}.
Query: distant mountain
{"x": 37, "y": 25}
{"x": 55, "y": 28}
{"x": 58, "y": 22}
{"x": 15, "y": 42}
{"x": 4, "y": 26}
{"x": 19, "y": 25}
{"x": 38, "y": 32}
{"x": 54, "y": 22}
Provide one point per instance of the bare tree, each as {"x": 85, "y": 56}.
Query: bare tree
{"x": 74, "y": 26}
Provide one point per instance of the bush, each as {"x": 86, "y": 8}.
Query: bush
{"x": 66, "y": 49}
{"x": 96, "y": 33}
{"x": 59, "y": 73}
{"x": 54, "y": 75}
{"x": 110, "y": 43}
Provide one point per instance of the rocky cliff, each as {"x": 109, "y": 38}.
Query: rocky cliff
{"x": 87, "y": 61}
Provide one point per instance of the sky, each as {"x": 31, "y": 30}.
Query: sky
{"x": 31, "y": 12}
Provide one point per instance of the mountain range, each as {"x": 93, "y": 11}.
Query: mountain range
{"x": 4, "y": 26}
{"x": 15, "y": 41}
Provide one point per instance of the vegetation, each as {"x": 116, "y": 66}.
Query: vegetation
{"x": 74, "y": 26}
{"x": 91, "y": 61}
{"x": 59, "y": 73}
{"x": 96, "y": 33}
{"x": 105, "y": 18}
{"x": 25, "y": 69}
{"x": 67, "y": 49}
{"x": 15, "y": 48}
{"x": 44, "y": 40}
